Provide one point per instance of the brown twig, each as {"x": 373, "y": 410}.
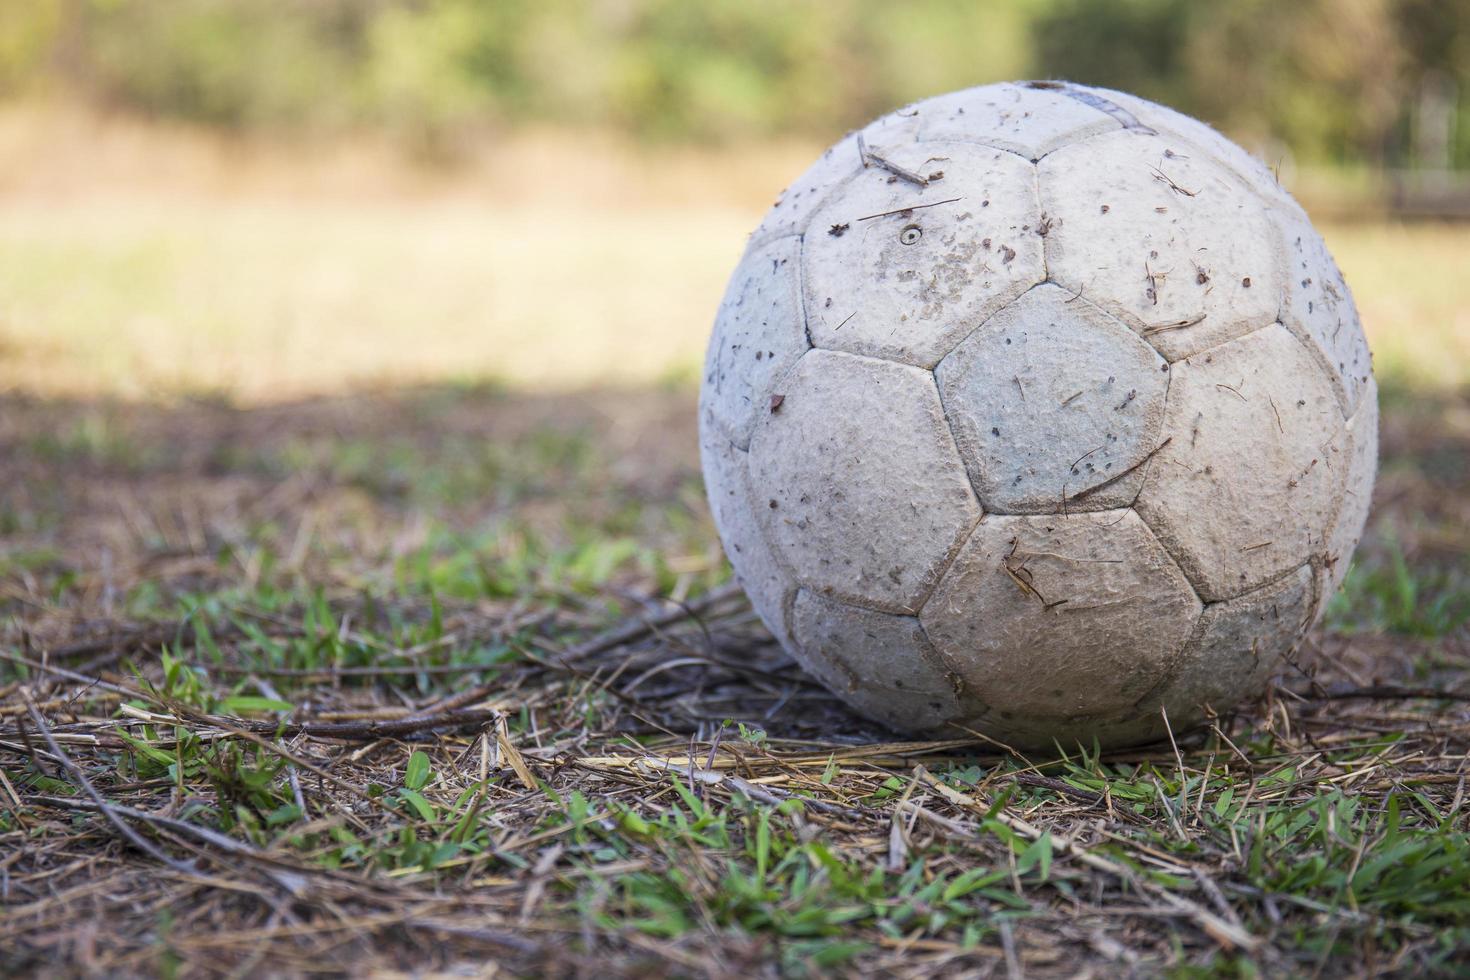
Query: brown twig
{"x": 912, "y": 207}
{"x": 109, "y": 811}
{"x": 371, "y": 730}
{"x": 1385, "y": 692}
{"x": 1159, "y": 175}
{"x": 888, "y": 165}
{"x": 1152, "y": 329}
{"x": 1086, "y": 491}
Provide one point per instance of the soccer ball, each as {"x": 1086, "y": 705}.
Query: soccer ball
{"x": 1041, "y": 412}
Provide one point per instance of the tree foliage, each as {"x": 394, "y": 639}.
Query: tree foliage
{"x": 1335, "y": 79}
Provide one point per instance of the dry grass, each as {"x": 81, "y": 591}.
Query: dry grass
{"x": 446, "y": 678}
{"x": 138, "y": 261}
{"x": 1411, "y": 291}
{"x": 626, "y": 830}
{"x": 142, "y": 261}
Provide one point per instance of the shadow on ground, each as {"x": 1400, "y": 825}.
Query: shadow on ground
{"x": 117, "y": 509}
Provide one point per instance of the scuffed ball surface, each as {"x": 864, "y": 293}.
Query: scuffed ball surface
{"x": 1038, "y": 411}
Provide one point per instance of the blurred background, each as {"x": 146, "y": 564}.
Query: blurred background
{"x": 411, "y": 295}
{"x": 257, "y": 200}
{"x": 352, "y": 347}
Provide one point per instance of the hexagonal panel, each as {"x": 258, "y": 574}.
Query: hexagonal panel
{"x": 1175, "y": 245}
{"x": 899, "y": 271}
{"x": 1185, "y": 133}
{"x": 882, "y": 664}
{"x": 1357, "y": 495}
{"x": 792, "y": 212}
{"x": 1061, "y": 617}
{"x": 769, "y": 586}
{"x": 1054, "y": 405}
{"x": 1320, "y": 310}
{"x": 1030, "y": 119}
{"x": 1238, "y": 646}
{"x": 858, "y": 481}
{"x": 759, "y": 333}
{"x": 1250, "y": 478}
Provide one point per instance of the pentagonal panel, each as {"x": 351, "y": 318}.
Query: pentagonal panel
{"x": 1054, "y": 405}
{"x": 858, "y": 481}
{"x": 1320, "y": 310}
{"x": 1176, "y": 245}
{"x": 1030, "y": 119}
{"x": 769, "y": 587}
{"x": 881, "y": 664}
{"x": 900, "y": 271}
{"x": 1357, "y": 495}
{"x": 1251, "y": 475}
{"x": 792, "y": 212}
{"x": 1238, "y": 646}
{"x": 1185, "y": 134}
{"x": 759, "y": 333}
{"x": 1056, "y": 617}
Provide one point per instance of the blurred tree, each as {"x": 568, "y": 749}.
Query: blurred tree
{"x": 1321, "y": 75}
{"x": 1332, "y": 78}
{"x": 29, "y": 32}
{"x": 1138, "y": 46}
{"x": 1335, "y": 79}
{"x": 436, "y": 70}
{"x": 238, "y": 63}
{"x": 1438, "y": 34}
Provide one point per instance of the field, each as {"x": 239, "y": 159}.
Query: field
{"x": 139, "y": 264}
{"x": 363, "y": 613}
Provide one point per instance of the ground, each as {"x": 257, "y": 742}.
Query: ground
{"x": 313, "y": 661}
{"x": 327, "y": 731}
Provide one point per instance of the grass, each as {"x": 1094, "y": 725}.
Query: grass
{"x": 139, "y": 262}
{"x": 426, "y": 678}
{"x": 1418, "y": 327}
{"x": 301, "y": 676}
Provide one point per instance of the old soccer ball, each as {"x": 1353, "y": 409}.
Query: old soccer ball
{"x": 1038, "y": 411}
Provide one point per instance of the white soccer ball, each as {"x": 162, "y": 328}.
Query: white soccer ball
{"x": 1039, "y": 411}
